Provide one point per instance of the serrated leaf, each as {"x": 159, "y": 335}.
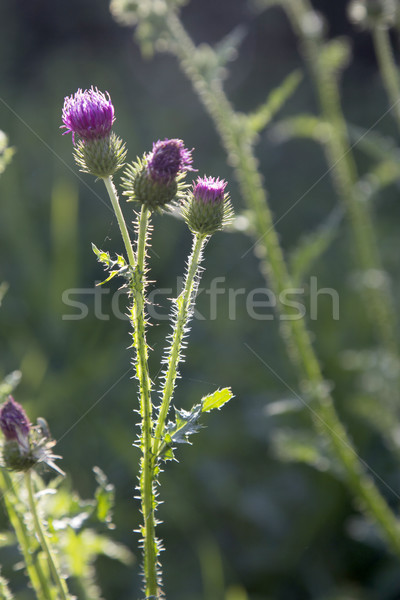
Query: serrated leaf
{"x": 111, "y": 276}
{"x": 302, "y": 126}
{"x": 103, "y": 257}
{"x": 312, "y": 247}
{"x": 263, "y": 115}
{"x": 216, "y": 400}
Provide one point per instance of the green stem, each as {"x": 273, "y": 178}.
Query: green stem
{"x": 295, "y": 334}
{"x": 150, "y": 547}
{"x": 377, "y": 298}
{"x": 60, "y": 583}
{"x": 37, "y": 577}
{"x": 184, "y": 305}
{"x": 138, "y": 320}
{"x": 388, "y": 68}
{"x": 112, "y": 192}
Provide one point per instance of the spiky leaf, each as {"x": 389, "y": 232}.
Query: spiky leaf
{"x": 216, "y": 400}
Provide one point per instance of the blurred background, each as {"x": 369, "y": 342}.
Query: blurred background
{"x": 239, "y": 521}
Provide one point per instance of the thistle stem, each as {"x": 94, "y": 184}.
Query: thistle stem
{"x": 147, "y": 473}
{"x": 60, "y": 583}
{"x": 37, "y": 577}
{"x": 295, "y": 334}
{"x": 378, "y": 302}
{"x": 388, "y": 68}
{"x": 184, "y": 311}
{"x": 112, "y": 192}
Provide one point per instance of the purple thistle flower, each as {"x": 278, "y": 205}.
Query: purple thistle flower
{"x": 167, "y": 159}
{"x": 207, "y": 209}
{"x": 89, "y": 114}
{"x": 14, "y": 422}
{"x": 209, "y": 190}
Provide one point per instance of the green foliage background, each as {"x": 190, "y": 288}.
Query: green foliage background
{"x": 236, "y": 515}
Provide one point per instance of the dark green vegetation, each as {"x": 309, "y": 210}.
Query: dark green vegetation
{"x": 234, "y": 513}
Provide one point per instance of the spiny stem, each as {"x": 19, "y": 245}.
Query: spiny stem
{"x": 377, "y": 298}
{"x": 33, "y": 567}
{"x": 112, "y": 192}
{"x": 295, "y": 334}
{"x": 388, "y": 68}
{"x": 147, "y": 473}
{"x": 60, "y": 583}
{"x": 184, "y": 305}
{"x": 142, "y": 372}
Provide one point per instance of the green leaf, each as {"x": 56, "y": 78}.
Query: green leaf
{"x": 216, "y": 400}
{"x": 103, "y": 257}
{"x": 105, "y": 496}
{"x": 312, "y": 247}
{"x": 259, "y": 119}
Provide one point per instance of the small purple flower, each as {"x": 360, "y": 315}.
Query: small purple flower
{"x": 209, "y": 190}
{"x": 167, "y": 159}
{"x": 89, "y": 114}
{"x": 14, "y": 422}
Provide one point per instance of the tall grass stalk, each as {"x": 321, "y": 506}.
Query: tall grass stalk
{"x": 238, "y": 143}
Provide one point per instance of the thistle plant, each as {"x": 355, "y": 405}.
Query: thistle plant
{"x": 152, "y": 183}
{"x": 238, "y": 133}
{"x": 23, "y": 449}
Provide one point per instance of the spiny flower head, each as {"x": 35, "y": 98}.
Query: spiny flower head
{"x": 89, "y": 114}
{"x": 14, "y": 422}
{"x": 207, "y": 208}
{"x": 156, "y": 179}
{"x": 167, "y": 159}
{"x": 209, "y": 190}
{"x": 25, "y": 445}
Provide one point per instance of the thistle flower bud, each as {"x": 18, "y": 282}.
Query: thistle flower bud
{"x": 24, "y": 445}
{"x": 89, "y": 114}
{"x": 156, "y": 180}
{"x": 14, "y": 422}
{"x": 371, "y": 13}
{"x": 207, "y": 208}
